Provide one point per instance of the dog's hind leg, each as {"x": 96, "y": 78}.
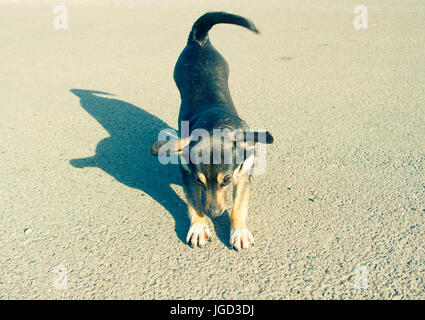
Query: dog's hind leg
{"x": 199, "y": 232}
{"x": 240, "y": 237}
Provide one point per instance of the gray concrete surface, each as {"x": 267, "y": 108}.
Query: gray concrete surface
{"x": 86, "y": 213}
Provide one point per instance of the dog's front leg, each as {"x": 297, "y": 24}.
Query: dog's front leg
{"x": 199, "y": 232}
{"x": 240, "y": 237}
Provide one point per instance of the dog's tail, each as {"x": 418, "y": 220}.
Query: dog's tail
{"x": 201, "y": 27}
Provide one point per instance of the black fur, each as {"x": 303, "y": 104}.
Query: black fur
{"x": 201, "y": 75}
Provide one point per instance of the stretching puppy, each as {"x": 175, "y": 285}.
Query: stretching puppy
{"x": 201, "y": 75}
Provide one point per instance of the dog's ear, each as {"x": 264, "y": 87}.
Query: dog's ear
{"x": 245, "y": 148}
{"x": 156, "y": 146}
{"x": 174, "y": 146}
{"x": 260, "y": 137}
{"x": 252, "y": 137}
{"x": 269, "y": 138}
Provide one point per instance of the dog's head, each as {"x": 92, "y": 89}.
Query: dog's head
{"x": 214, "y": 162}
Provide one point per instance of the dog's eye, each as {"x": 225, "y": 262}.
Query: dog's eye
{"x": 226, "y": 180}
{"x": 200, "y": 182}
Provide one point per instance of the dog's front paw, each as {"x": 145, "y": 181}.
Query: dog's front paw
{"x": 198, "y": 235}
{"x": 241, "y": 239}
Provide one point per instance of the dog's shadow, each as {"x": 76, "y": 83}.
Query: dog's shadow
{"x": 125, "y": 156}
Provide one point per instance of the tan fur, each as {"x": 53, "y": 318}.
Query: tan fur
{"x": 221, "y": 198}
{"x": 202, "y": 178}
{"x": 220, "y": 178}
{"x": 241, "y": 193}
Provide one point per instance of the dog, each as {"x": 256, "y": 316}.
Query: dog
{"x": 201, "y": 75}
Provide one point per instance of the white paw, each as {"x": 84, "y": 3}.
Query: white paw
{"x": 198, "y": 235}
{"x": 241, "y": 239}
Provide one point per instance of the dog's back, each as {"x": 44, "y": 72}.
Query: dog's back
{"x": 201, "y": 73}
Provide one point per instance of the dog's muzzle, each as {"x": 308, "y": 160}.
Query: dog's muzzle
{"x": 215, "y": 213}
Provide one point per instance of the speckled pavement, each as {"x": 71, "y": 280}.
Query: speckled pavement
{"x": 87, "y": 213}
